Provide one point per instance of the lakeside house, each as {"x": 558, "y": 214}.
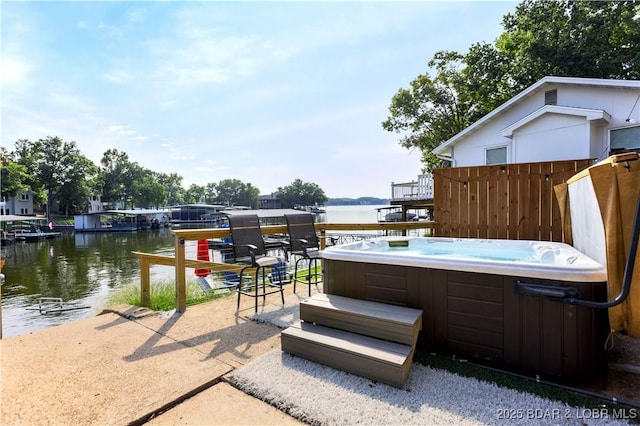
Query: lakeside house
{"x": 555, "y": 119}
{"x": 21, "y": 204}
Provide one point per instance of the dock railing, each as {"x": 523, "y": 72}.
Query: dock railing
{"x": 422, "y": 189}
{"x": 181, "y": 263}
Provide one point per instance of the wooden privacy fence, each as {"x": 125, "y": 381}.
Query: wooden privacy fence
{"x": 510, "y": 201}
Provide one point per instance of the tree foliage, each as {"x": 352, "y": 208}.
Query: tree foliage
{"x": 233, "y": 192}
{"x": 113, "y": 172}
{"x": 541, "y": 38}
{"x": 300, "y": 193}
{"x": 172, "y": 183}
{"x": 147, "y": 191}
{"x": 58, "y": 168}
{"x": 63, "y": 178}
{"x": 433, "y": 109}
{"x": 571, "y": 38}
{"x": 13, "y": 177}
{"x": 195, "y": 194}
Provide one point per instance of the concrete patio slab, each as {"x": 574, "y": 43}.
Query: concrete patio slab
{"x": 223, "y": 404}
{"x": 102, "y": 370}
{"x": 217, "y": 331}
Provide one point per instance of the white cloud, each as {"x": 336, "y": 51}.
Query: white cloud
{"x": 117, "y": 76}
{"x": 14, "y": 71}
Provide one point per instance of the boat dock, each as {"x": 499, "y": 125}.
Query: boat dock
{"x": 24, "y": 228}
{"x": 131, "y": 220}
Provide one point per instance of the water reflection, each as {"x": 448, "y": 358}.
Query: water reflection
{"x": 81, "y": 268}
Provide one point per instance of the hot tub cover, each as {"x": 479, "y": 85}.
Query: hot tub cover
{"x": 616, "y": 182}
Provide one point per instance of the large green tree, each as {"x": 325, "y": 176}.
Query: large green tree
{"x": 172, "y": 183}
{"x": 147, "y": 191}
{"x": 114, "y": 169}
{"x": 25, "y": 155}
{"x": 73, "y": 196}
{"x": 58, "y": 168}
{"x": 195, "y": 194}
{"x": 300, "y": 193}
{"x": 211, "y": 193}
{"x": 542, "y": 37}
{"x": 432, "y": 109}
{"x": 571, "y": 38}
{"x": 234, "y": 192}
{"x": 13, "y": 176}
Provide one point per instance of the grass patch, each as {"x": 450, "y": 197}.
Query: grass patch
{"x": 163, "y": 295}
{"x": 303, "y": 272}
{"x": 506, "y": 380}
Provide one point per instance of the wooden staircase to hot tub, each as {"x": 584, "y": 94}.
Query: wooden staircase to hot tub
{"x": 370, "y": 339}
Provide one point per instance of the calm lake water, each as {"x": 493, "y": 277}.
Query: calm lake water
{"x": 84, "y": 269}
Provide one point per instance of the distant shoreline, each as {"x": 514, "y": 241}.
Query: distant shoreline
{"x": 362, "y": 201}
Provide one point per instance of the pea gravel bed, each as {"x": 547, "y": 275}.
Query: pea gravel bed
{"x": 320, "y": 395}
{"x": 317, "y": 394}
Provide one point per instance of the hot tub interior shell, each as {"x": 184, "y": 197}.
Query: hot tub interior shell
{"x": 480, "y": 316}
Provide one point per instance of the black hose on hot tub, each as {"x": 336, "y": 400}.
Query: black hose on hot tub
{"x": 628, "y": 272}
{"x": 567, "y": 294}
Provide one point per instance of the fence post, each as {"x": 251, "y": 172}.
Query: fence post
{"x": 145, "y": 295}
{"x": 181, "y": 285}
{"x": 323, "y": 239}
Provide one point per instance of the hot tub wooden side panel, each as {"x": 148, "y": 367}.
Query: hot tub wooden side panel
{"x": 555, "y": 338}
{"x": 481, "y": 316}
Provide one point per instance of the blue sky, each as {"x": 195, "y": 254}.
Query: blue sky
{"x": 264, "y": 92}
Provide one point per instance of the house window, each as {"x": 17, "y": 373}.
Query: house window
{"x": 24, "y": 196}
{"x": 551, "y": 97}
{"x": 625, "y": 139}
{"x": 496, "y": 156}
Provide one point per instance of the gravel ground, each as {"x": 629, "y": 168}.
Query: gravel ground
{"x": 317, "y": 394}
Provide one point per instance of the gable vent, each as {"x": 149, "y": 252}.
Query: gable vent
{"x": 551, "y": 97}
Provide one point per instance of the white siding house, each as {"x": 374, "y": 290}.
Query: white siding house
{"x": 557, "y": 118}
{"x": 95, "y": 204}
{"x": 21, "y": 204}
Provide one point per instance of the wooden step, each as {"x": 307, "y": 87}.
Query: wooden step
{"x": 389, "y": 322}
{"x": 376, "y": 359}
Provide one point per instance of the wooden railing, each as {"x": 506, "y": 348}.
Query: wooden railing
{"x": 181, "y": 263}
{"x": 420, "y": 190}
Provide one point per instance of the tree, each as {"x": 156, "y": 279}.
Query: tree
{"x": 211, "y": 193}
{"x": 195, "y": 194}
{"x": 26, "y": 155}
{"x": 133, "y": 177}
{"x": 249, "y": 196}
{"x": 172, "y": 183}
{"x": 147, "y": 191}
{"x": 543, "y": 37}
{"x": 57, "y": 167}
{"x": 571, "y": 38}
{"x": 433, "y": 109}
{"x": 113, "y": 175}
{"x": 13, "y": 176}
{"x": 73, "y": 195}
{"x": 300, "y": 193}
{"x": 234, "y": 192}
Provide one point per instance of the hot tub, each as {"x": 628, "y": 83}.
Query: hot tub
{"x": 466, "y": 288}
